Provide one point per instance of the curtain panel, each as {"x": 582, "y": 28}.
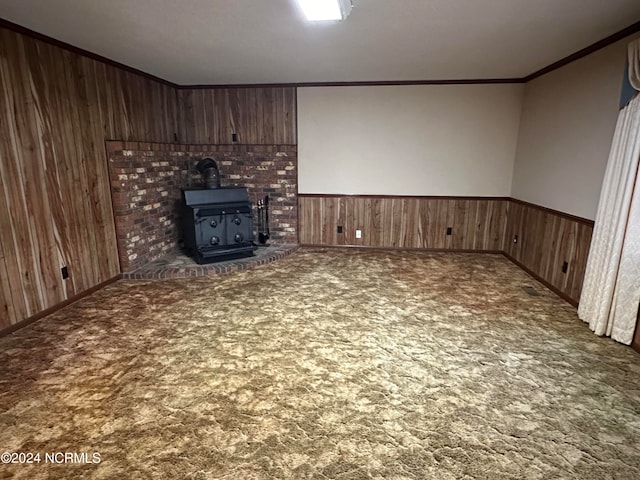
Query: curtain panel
{"x": 611, "y": 292}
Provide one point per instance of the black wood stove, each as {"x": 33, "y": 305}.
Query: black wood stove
{"x": 217, "y": 223}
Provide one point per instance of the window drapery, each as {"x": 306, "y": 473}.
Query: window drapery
{"x": 611, "y": 290}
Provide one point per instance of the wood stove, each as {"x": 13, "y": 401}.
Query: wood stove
{"x": 217, "y": 223}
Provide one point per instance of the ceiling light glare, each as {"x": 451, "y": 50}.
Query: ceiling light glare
{"x": 325, "y": 10}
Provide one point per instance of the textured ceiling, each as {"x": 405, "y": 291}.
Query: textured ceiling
{"x": 267, "y": 41}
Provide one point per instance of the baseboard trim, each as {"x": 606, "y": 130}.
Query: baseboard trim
{"x": 34, "y": 318}
{"x": 555, "y": 290}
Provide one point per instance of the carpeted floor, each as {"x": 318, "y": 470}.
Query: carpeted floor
{"x": 328, "y": 364}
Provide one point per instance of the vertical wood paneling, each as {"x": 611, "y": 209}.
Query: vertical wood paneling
{"x": 7, "y": 305}
{"x": 10, "y": 261}
{"x": 257, "y": 115}
{"x": 403, "y": 222}
{"x": 546, "y": 239}
{"x": 56, "y": 110}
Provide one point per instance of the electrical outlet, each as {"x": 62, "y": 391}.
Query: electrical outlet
{"x": 449, "y": 230}
{"x": 339, "y": 228}
{"x": 565, "y": 266}
{"x": 234, "y": 137}
{"x": 358, "y": 233}
{"x": 515, "y": 239}
{"x": 65, "y": 272}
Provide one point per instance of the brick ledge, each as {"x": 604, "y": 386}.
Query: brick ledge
{"x": 178, "y": 265}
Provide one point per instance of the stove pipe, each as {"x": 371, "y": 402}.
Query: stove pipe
{"x": 209, "y": 171}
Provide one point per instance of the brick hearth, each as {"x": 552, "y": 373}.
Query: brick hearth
{"x": 178, "y": 265}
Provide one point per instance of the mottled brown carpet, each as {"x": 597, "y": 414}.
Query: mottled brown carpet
{"x": 328, "y": 364}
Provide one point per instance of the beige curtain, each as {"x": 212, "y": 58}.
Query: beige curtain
{"x": 611, "y": 291}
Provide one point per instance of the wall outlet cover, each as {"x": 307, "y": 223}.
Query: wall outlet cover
{"x": 358, "y": 233}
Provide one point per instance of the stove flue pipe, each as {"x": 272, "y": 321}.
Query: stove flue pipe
{"x": 209, "y": 171}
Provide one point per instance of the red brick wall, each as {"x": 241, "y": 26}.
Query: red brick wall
{"x": 146, "y": 180}
{"x": 264, "y": 170}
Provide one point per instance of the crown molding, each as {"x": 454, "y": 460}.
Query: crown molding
{"x": 625, "y": 32}
{"x": 80, "y": 51}
{"x": 605, "y": 42}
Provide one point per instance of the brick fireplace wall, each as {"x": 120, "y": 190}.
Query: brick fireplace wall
{"x": 146, "y": 179}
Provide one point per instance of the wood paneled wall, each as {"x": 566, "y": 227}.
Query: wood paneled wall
{"x": 546, "y": 239}
{"x": 403, "y": 222}
{"x": 257, "y": 115}
{"x": 58, "y": 108}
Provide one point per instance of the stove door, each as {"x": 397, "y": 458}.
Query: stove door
{"x": 239, "y": 227}
{"x": 212, "y": 231}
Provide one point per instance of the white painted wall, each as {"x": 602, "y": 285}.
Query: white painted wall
{"x": 566, "y": 129}
{"x": 408, "y": 140}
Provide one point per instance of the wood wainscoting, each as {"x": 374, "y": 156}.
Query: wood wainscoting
{"x": 546, "y": 238}
{"x": 477, "y": 223}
